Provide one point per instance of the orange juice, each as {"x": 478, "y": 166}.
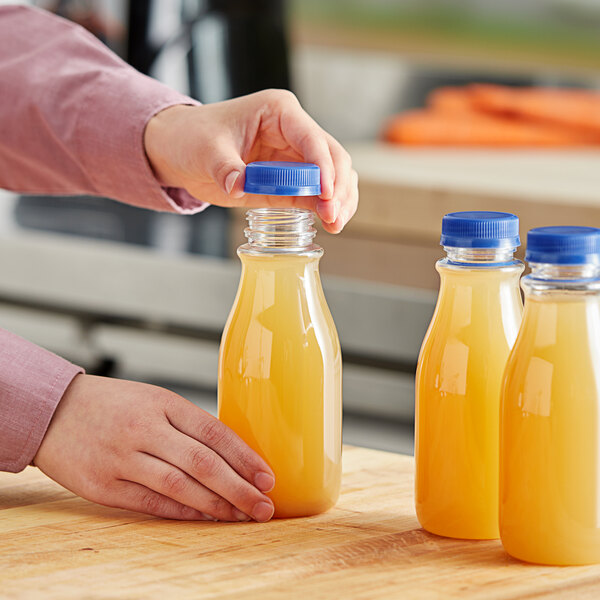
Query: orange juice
{"x": 550, "y": 442}
{"x": 280, "y": 372}
{"x": 458, "y": 380}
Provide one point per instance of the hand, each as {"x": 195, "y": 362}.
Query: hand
{"x": 140, "y": 447}
{"x": 204, "y": 149}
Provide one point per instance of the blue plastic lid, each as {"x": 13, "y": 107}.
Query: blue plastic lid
{"x": 480, "y": 229}
{"x": 563, "y": 245}
{"x": 283, "y": 179}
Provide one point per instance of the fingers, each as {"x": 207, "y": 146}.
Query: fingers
{"x": 349, "y": 205}
{"x": 314, "y": 149}
{"x": 133, "y": 496}
{"x": 339, "y": 197}
{"x": 330, "y": 211}
{"x": 172, "y": 483}
{"x": 203, "y": 427}
{"x": 305, "y": 136}
{"x": 202, "y": 465}
{"x": 284, "y": 130}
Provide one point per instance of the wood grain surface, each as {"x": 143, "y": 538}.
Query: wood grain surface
{"x": 54, "y": 545}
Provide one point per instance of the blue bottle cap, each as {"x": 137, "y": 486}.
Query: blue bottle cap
{"x": 563, "y": 245}
{"x": 480, "y": 229}
{"x": 283, "y": 179}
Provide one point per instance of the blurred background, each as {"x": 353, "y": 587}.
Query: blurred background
{"x": 133, "y": 294}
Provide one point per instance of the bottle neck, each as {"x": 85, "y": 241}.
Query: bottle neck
{"x": 480, "y": 256}
{"x": 546, "y": 277}
{"x": 551, "y": 272}
{"x": 280, "y": 230}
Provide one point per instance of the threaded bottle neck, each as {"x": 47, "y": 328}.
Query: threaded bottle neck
{"x": 548, "y": 278}
{"x": 552, "y": 272}
{"x": 280, "y": 230}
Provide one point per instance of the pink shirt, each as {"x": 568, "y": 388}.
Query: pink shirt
{"x": 72, "y": 118}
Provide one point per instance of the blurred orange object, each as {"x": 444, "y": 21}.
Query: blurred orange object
{"x": 568, "y": 107}
{"x": 500, "y": 116}
{"x": 450, "y": 100}
{"x": 433, "y": 128}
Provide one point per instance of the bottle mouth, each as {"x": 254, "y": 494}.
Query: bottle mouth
{"x": 280, "y": 228}
{"x": 480, "y": 256}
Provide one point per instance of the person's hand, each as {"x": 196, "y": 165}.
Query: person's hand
{"x": 140, "y": 447}
{"x": 205, "y": 149}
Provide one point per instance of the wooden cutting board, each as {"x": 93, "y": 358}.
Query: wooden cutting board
{"x": 54, "y": 545}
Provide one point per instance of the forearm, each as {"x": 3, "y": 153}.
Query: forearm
{"x": 72, "y": 115}
{"x": 32, "y": 382}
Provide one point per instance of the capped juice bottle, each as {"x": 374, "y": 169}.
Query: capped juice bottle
{"x": 280, "y": 365}
{"x": 550, "y": 424}
{"x": 459, "y": 373}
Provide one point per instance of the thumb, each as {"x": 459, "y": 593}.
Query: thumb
{"x": 227, "y": 169}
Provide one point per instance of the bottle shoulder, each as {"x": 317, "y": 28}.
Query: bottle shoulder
{"x": 467, "y": 315}
{"x": 245, "y": 251}
{"x": 280, "y": 299}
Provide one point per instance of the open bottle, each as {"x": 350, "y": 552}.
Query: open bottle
{"x": 280, "y": 366}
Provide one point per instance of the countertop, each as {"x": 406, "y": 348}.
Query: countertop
{"x": 405, "y": 192}
{"x": 58, "y": 546}
{"x": 407, "y": 189}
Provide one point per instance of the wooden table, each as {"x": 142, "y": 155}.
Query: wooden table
{"x": 54, "y": 545}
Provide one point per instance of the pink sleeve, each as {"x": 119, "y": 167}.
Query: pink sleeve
{"x": 32, "y": 382}
{"x": 72, "y": 118}
{"x": 72, "y": 115}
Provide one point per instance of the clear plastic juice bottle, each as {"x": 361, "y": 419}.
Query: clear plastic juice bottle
{"x": 280, "y": 368}
{"x": 459, "y": 373}
{"x": 550, "y": 425}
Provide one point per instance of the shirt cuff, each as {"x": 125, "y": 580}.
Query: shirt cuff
{"x": 32, "y": 382}
{"x": 178, "y": 199}
{"x": 116, "y": 143}
{"x": 183, "y": 202}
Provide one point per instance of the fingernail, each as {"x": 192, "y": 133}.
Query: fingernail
{"x": 240, "y": 516}
{"x": 264, "y": 481}
{"x": 328, "y": 210}
{"x": 341, "y": 221}
{"x": 336, "y": 210}
{"x": 208, "y": 517}
{"x": 230, "y": 181}
{"x": 262, "y": 511}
